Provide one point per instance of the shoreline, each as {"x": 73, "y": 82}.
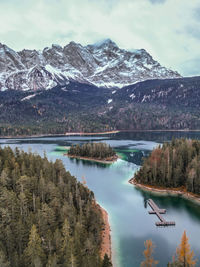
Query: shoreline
{"x": 104, "y": 161}
{"x": 161, "y": 130}
{"x": 106, "y": 247}
{"x": 94, "y": 133}
{"x": 166, "y": 191}
{"x": 54, "y": 135}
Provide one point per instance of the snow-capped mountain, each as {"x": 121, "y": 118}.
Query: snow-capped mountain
{"x": 102, "y": 64}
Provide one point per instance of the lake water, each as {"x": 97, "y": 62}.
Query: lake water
{"x": 128, "y": 212}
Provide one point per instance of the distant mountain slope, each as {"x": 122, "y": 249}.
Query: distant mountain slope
{"x": 103, "y": 64}
{"x": 150, "y": 105}
{"x": 183, "y": 92}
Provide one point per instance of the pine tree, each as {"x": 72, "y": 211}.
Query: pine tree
{"x": 106, "y": 261}
{"x": 184, "y": 256}
{"x": 34, "y": 253}
{"x": 149, "y": 249}
{"x": 52, "y": 261}
{"x": 3, "y": 261}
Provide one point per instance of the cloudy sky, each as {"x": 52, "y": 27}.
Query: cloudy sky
{"x": 168, "y": 29}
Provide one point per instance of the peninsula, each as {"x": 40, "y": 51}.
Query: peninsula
{"x": 173, "y": 168}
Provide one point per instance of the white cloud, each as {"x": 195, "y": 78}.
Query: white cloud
{"x": 167, "y": 29}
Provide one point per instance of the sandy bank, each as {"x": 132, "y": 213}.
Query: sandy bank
{"x": 166, "y": 191}
{"x": 105, "y": 234}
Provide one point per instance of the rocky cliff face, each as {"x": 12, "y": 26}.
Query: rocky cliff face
{"x": 103, "y": 64}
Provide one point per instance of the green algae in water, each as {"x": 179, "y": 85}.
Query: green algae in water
{"x": 122, "y": 156}
{"x": 128, "y": 150}
{"x": 60, "y": 150}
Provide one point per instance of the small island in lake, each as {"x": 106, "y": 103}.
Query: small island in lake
{"x": 100, "y": 152}
{"x": 172, "y": 168}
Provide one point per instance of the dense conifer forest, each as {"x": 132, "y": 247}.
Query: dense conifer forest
{"x": 93, "y": 150}
{"x": 47, "y": 218}
{"x": 175, "y": 164}
{"x": 149, "y": 105}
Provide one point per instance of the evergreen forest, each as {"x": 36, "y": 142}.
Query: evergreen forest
{"x": 175, "y": 164}
{"x": 172, "y": 104}
{"x": 47, "y": 218}
{"x": 92, "y": 150}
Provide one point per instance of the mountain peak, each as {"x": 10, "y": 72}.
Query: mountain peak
{"x": 105, "y": 42}
{"x": 73, "y": 44}
{"x": 57, "y": 46}
{"x": 102, "y": 64}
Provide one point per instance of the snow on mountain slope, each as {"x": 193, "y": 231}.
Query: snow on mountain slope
{"x": 102, "y": 64}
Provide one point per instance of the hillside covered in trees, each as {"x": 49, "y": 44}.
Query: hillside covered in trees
{"x": 175, "y": 164}
{"x": 76, "y": 107}
{"x": 99, "y": 150}
{"x": 47, "y": 218}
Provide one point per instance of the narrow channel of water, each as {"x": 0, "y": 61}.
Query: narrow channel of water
{"x": 127, "y": 207}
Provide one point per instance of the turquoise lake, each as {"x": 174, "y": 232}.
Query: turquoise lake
{"x": 127, "y": 206}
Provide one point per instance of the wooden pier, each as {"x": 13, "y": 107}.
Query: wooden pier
{"x": 158, "y": 212}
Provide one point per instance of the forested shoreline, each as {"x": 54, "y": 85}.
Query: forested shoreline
{"x": 173, "y": 165}
{"x": 47, "y": 218}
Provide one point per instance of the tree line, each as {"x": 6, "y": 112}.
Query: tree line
{"x": 47, "y": 218}
{"x": 175, "y": 164}
{"x": 92, "y": 150}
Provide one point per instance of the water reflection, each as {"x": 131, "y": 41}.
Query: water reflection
{"x": 89, "y": 163}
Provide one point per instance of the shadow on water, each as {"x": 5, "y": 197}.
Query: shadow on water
{"x": 89, "y": 163}
{"x": 162, "y": 253}
{"x": 131, "y": 155}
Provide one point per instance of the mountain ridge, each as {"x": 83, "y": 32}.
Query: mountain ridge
{"x": 103, "y": 64}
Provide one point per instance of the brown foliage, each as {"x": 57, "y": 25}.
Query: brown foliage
{"x": 184, "y": 256}
{"x": 149, "y": 249}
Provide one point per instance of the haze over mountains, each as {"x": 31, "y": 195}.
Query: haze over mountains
{"x": 102, "y": 64}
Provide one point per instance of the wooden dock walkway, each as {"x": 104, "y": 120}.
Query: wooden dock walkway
{"x": 158, "y": 212}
